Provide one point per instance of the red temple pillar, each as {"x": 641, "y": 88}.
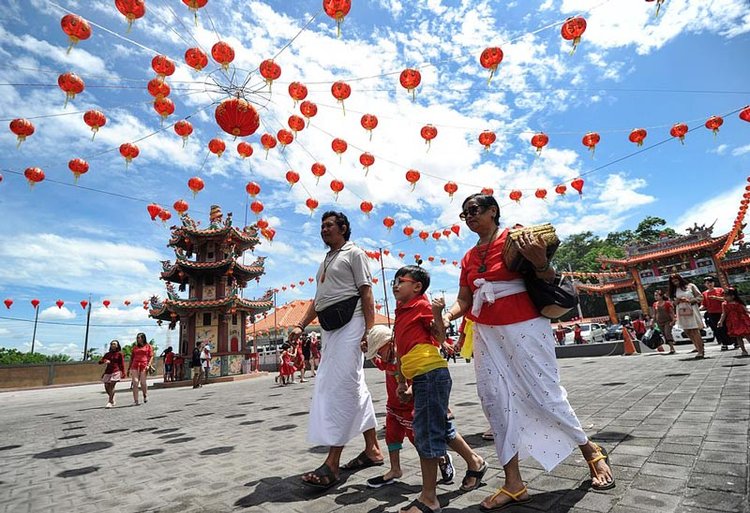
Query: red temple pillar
{"x": 639, "y": 290}
{"x": 611, "y": 308}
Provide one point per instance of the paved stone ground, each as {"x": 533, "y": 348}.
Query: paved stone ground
{"x": 677, "y": 430}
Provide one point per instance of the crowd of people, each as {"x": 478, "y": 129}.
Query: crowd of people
{"x": 297, "y": 358}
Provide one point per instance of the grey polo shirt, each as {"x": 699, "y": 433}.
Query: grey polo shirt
{"x": 345, "y": 271}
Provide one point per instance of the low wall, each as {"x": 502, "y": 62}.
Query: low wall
{"x": 36, "y": 375}
{"x": 585, "y": 350}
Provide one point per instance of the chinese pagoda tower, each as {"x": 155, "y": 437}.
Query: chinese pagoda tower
{"x": 213, "y": 312}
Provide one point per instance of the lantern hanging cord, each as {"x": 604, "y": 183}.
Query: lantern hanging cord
{"x": 184, "y": 27}
{"x": 58, "y": 323}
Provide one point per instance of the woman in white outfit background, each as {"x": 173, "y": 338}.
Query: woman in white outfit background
{"x": 514, "y": 349}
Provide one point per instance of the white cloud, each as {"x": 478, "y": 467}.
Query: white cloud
{"x": 712, "y": 211}
{"x": 56, "y": 314}
{"x": 742, "y": 150}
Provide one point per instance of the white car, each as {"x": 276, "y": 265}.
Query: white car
{"x": 680, "y": 338}
{"x": 591, "y": 333}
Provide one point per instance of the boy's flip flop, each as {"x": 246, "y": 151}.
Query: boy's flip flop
{"x": 478, "y": 475}
{"x": 361, "y": 461}
{"x": 322, "y": 472}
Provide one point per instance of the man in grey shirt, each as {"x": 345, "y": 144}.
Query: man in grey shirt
{"x": 341, "y": 405}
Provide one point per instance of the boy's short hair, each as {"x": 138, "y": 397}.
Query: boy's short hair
{"x": 416, "y": 272}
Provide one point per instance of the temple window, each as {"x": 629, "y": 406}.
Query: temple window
{"x": 234, "y": 319}
{"x": 207, "y": 319}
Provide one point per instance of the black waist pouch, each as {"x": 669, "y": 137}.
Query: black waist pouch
{"x": 338, "y": 314}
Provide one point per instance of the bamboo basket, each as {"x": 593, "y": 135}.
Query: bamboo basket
{"x": 511, "y": 253}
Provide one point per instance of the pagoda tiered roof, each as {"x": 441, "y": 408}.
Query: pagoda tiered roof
{"x": 180, "y": 307}
{"x": 243, "y": 273}
{"x": 609, "y": 286}
{"x": 736, "y": 259}
{"x": 665, "y": 249}
{"x": 190, "y": 237}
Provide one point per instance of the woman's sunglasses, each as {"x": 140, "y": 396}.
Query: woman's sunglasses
{"x": 471, "y": 211}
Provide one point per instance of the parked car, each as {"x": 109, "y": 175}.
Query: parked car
{"x": 592, "y": 333}
{"x": 680, "y": 338}
{"x": 614, "y": 332}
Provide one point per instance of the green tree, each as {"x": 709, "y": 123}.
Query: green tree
{"x": 649, "y": 230}
{"x": 16, "y": 357}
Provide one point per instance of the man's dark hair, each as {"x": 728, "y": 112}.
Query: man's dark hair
{"x": 341, "y": 221}
{"x": 197, "y": 344}
{"x": 416, "y": 272}
{"x": 486, "y": 201}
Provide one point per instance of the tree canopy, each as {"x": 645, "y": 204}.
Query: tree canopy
{"x": 16, "y": 357}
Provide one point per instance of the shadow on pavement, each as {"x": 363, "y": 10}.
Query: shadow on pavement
{"x": 284, "y": 490}
{"x": 388, "y": 496}
{"x": 149, "y": 452}
{"x": 77, "y": 472}
{"x": 217, "y": 450}
{"x": 73, "y": 450}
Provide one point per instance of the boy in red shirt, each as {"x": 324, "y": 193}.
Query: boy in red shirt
{"x": 418, "y": 333}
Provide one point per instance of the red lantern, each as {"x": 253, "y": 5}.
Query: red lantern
{"x": 244, "y": 149}
{"x": 78, "y": 167}
{"x": 539, "y": 141}
{"x": 401, "y": 255}
{"x": 337, "y": 9}
{"x": 297, "y": 91}
{"x": 8, "y": 303}
{"x": 408, "y": 231}
{"x": 410, "y": 79}
{"x": 164, "y": 215}
{"x": 153, "y": 210}
{"x": 366, "y": 207}
{"x": 183, "y": 128}
{"x": 270, "y": 71}
{"x": 237, "y": 117}
{"x": 490, "y": 59}
{"x": 389, "y": 222}
{"x": 284, "y": 137}
{"x": 515, "y": 195}
{"x": 34, "y": 175}
{"x": 447, "y": 233}
{"x": 486, "y": 139}
{"x": 541, "y": 193}
{"x": 413, "y": 176}
{"x": 311, "y": 279}
{"x": 590, "y": 140}
{"x": 424, "y": 235}
{"x": 35, "y": 303}
{"x": 164, "y": 107}
{"x": 126, "y": 302}
{"x": 252, "y": 188}
{"x": 106, "y": 303}
{"x": 455, "y": 263}
{"x": 194, "y": 5}
{"x": 679, "y": 130}
{"x": 181, "y": 206}
{"x": 129, "y": 151}
{"x": 296, "y": 123}
{"x": 196, "y": 185}
{"x": 341, "y": 91}
{"x": 637, "y": 135}
{"x": 488, "y": 191}
{"x": 339, "y": 146}
{"x": 577, "y": 184}
{"x": 560, "y": 189}
{"x": 450, "y": 188}
{"x": 268, "y": 141}
{"x": 222, "y": 53}
{"x": 436, "y": 235}
{"x": 713, "y": 123}
{"x": 196, "y": 58}
{"x": 745, "y": 114}
{"x": 60, "y": 303}
{"x": 292, "y": 177}
{"x": 162, "y": 66}
{"x": 337, "y": 186}
{"x": 366, "y": 159}
{"x": 262, "y": 224}
{"x": 22, "y": 128}
{"x": 318, "y": 170}
{"x": 256, "y": 207}
{"x": 312, "y": 204}
{"x": 84, "y": 304}
{"x": 369, "y": 122}
{"x": 572, "y": 30}
{"x": 309, "y": 110}
{"x": 131, "y": 9}
{"x": 428, "y": 133}
{"x": 76, "y": 28}
{"x": 71, "y": 84}
{"x": 417, "y": 257}
{"x": 217, "y": 147}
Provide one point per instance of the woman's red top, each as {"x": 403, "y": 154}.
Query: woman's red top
{"x": 140, "y": 356}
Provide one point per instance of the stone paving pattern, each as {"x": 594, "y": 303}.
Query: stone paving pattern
{"x": 677, "y": 430}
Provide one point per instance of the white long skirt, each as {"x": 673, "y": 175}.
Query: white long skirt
{"x": 518, "y": 383}
{"x": 341, "y": 403}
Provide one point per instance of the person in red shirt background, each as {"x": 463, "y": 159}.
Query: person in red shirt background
{"x": 712, "y": 300}
{"x": 141, "y": 358}
{"x": 639, "y": 327}
{"x": 560, "y": 334}
{"x": 114, "y": 371}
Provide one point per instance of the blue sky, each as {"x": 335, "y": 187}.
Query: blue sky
{"x": 59, "y": 241}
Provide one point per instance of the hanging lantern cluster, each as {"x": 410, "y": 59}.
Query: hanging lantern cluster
{"x": 736, "y": 232}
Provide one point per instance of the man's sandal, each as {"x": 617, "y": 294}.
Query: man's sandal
{"x": 322, "y": 473}
{"x": 421, "y": 506}
{"x": 478, "y": 475}
{"x": 601, "y": 455}
{"x": 514, "y": 502}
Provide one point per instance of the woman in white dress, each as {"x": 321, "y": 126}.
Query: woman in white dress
{"x": 518, "y": 381}
{"x": 687, "y": 298}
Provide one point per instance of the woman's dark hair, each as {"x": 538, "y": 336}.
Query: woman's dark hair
{"x": 168, "y": 350}
{"x": 341, "y": 220}
{"x": 658, "y": 291}
{"x": 672, "y": 289}
{"x": 486, "y": 201}
{"x": 732, "y": 292}
{"x": 118, "y": 345}
{"x": 416, "y": 272}
{"x": 138, "y": 337}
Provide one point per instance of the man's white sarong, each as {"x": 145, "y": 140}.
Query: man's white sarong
{"x": 519, "y": 387}
{"x": 341, "y": 406}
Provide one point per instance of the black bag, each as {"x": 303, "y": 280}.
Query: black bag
{"x": 553, "y": 300}
{"x": 652, "y": 338}
{"x": 338, "y": 314}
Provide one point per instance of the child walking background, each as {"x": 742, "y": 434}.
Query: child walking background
{"x": 734, "y": 315}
